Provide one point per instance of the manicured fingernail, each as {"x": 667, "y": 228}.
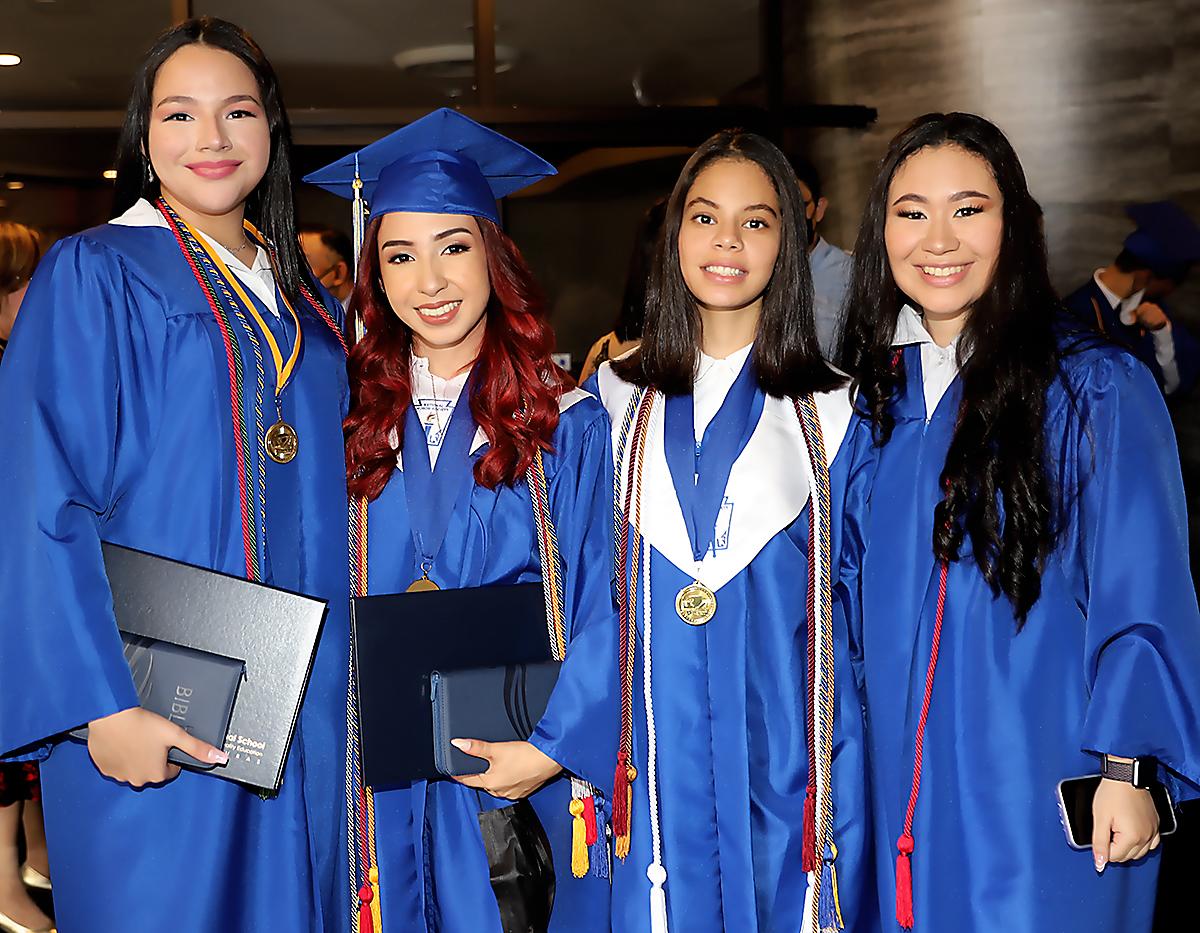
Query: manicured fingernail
{"x": 217, "y": 757}
{"x": 1101, "y": 861}
{"x": 463, "y": 745}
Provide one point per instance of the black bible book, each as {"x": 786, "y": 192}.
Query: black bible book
{"x": 401, "y": 639}
{"x": 274, "y": 632}
{"x": 193, "y": 689}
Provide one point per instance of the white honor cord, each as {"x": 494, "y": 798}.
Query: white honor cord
{"x": 656, "y": 872}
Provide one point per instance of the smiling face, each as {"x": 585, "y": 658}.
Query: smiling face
{"x": 729, "y": 236}
{"x": 943, "y": 231}
{"x": 209, "y": 142}
{"x": 434, "y": 271}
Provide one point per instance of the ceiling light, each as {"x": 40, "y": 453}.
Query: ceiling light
{"x": 14, "y": 185}
{"x": 7, "y": 58}
{"x": 449, "y": 61}
{"x": 110, "y": 173}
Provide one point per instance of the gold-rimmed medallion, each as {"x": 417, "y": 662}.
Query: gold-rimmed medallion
{"x": 696, "y": 603}
{"x": 282, "y": 442}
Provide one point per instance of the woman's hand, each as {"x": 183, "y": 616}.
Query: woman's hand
{"x": 1125, "y": 823}
{"x": 131, "y": 746}
{"x": 516, "y": 769}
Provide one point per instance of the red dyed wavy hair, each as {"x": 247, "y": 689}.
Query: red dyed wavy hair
{"x": 516, "y": 389}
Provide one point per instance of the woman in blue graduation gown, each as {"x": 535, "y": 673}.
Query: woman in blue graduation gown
{"x": 456, "y": 402}
{"x": 1019, "y": 543}
{"x": 725, "y": 422}
{"x": 130, "y": 417}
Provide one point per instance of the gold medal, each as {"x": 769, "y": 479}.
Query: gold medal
{"x": 696, "y": 603}
{"x": 281, "y": 442}
{"x": 422, "y": 585}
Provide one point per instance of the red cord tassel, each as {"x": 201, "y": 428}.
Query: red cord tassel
{"x": 808, "y": 851}
{"x": 365, "y": 923}
{"x": 620, "y": 798}
{"x": 904, "y": 899}
{"x": 589, "y": 819}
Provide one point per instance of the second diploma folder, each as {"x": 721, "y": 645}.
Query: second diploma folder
{"x": 273, "y": 631}
{"x": 400, "y": 640}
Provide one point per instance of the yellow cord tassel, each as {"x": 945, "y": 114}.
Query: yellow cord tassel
{"x": 376, "y": 908}
{"x": 579, "y": 849}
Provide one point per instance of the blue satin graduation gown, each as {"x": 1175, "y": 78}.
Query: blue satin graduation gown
{"x": 730, "y": 701}
{"x": 433, "y": 869}
{"x": 1106, "y": 661}
{"x": 116, "y": 426}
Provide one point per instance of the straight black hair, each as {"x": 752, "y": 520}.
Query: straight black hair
{"x": 786, "y": 353}
{"x": 633, "y": 302}
{"x": 997, "y": 489}
{"x": 270, "y": 206}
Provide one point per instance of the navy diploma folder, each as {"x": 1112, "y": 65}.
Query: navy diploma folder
{"x": 401, "y": 639}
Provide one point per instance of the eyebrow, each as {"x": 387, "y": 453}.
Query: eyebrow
{"x": 750, "y": 207}
{"x": 957, "y": 196}
{"x": 184, "y": 99}
{"x": 439, "y": 236}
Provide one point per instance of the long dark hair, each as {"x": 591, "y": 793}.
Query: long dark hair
{"x": 270, "y": 206}
{"x": 633, "y": 303}
{"x": 515, "y": 398}
{"x": 996, "y": 485}
{"x": 786, "y": 353}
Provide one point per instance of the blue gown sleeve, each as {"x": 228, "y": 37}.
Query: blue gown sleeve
{"x": 853, "y": 826}
{"x": 853, "y": 541}
{"x": 1129, "y": 524}
{"x": 579, "y": 728}
{"x": 75, "y": 424}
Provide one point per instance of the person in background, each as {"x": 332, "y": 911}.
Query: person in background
{"x": 331, "y": 256}
{"x": 831, "y": 266}
{"x": 20, "y": 792}
{"x": 1126, "y": 299}
{"x": 628, "y": 331}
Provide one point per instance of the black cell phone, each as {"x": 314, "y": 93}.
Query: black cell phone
{"x": 1075, "y": 808}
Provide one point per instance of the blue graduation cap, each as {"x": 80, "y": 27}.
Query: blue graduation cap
{"x": 1166, "y": 238}
{"x": 443, "y": 163}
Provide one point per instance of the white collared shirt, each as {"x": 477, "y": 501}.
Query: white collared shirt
{"x": 1164, "y": 341}
{"x": 258, "y": 276}
{"x": 714, "y": 379}
{"x": 939, "y": 365}
{"x": 434, "y": 399}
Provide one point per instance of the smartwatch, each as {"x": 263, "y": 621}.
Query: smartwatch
{"x": 1141, "y": 772}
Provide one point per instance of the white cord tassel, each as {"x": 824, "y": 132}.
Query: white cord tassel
{"x": 656, "y": 872}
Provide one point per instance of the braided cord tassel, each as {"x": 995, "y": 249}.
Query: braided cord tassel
{"x": 822, "y": 698}
{"x": 367, "y": 914}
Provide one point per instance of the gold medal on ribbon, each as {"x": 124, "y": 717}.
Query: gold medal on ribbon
{"x": 696, "y": 603}
{"x": 282, "y": 442}
{"x": 422, "y": 585}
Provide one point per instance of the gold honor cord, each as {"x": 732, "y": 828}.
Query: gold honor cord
{"x": 281, "y": 440}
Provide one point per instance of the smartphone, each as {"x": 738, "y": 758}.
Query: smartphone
{"x": 1075, "y": 808}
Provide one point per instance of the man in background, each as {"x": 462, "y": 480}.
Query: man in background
{"x": 1127, "y": 298}
{"x": 331, "y": 256}
{"x": 831, "y": 266}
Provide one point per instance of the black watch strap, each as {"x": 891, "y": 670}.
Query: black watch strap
{"x": 1141, "y": 772}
